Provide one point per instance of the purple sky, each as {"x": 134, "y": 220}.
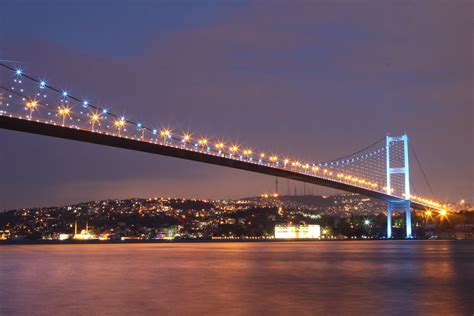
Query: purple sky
{"x": 318, "y": 79}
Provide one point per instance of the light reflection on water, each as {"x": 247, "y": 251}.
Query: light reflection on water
{"x": 306, "y": 278}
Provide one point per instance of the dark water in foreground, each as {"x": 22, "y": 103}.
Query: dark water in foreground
{"x": 307, "y": 278}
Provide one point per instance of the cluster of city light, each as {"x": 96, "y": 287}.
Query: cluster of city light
{"x": 204, "y": 143}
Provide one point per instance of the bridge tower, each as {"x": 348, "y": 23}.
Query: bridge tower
{"x": 405, "y": 171}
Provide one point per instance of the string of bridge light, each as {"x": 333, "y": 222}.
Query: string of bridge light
{"x": 64, "y": 112}
{"x": 121, "y": 122}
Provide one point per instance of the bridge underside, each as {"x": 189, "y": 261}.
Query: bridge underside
{"x": 33, "y": 127}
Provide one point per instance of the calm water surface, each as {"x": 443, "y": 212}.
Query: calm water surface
{"x": 305, "y": 278}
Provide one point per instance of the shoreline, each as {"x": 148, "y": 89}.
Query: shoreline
{"x": 112, "y": 242}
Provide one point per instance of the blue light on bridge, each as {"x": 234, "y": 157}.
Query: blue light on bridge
{"x": 104, "y": 111}
{"x": 42, "y": 84}
{"x": 65, "y": 93}
{"x": 19, "y": 72}
{"x": 85, "y": 104}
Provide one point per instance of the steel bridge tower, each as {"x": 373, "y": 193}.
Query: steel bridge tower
{"x": 396, "y": 204}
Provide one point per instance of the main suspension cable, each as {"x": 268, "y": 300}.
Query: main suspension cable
{"x": 422, "y": 171}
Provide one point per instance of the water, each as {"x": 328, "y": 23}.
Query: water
{"x": 293, "y": 278}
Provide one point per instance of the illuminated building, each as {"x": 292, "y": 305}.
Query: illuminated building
{"x": 297, "y": 232}
{"x": 84, "y": 234}
{"x": 4, "y": 234}
{"x": 167, "y": 233}
{"x": 64, "y": 236}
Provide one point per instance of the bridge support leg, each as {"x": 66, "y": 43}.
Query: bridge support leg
{"x": 389, "y": 220}
{"x": 408, "y": 219}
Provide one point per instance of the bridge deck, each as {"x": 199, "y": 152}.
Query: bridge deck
{"x": 22, "y": 125}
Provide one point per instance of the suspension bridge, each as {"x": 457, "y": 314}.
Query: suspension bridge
{"x": 380, "y": 170}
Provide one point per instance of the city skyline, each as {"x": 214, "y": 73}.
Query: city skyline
{"x": 185, "y": 101}
{"x": 343, "y": 217}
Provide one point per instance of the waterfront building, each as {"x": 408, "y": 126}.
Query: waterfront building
{"x": 84, "y": 234}
{"x": 297, "y": 231}
{"x": 4, "y": 234}
{"x": 167, "y": 233}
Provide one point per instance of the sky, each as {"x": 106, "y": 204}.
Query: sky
{"x": 317, "y": 79}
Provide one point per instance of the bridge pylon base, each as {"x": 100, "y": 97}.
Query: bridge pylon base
{"x": 404, "y": 205}
{"x": 408, "y": 220}
{"x": 389, "y": 220}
